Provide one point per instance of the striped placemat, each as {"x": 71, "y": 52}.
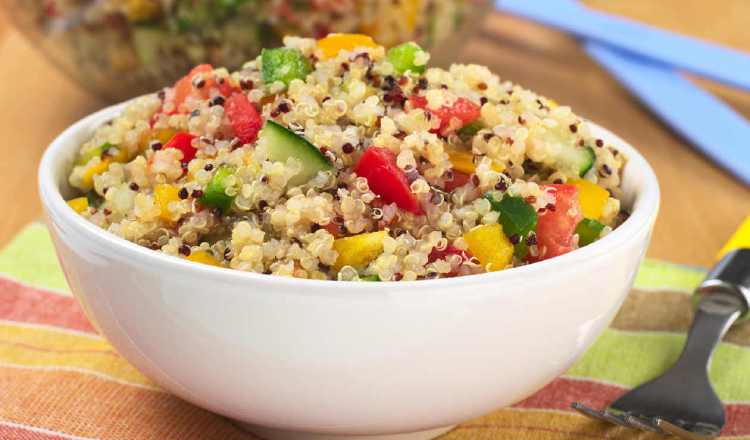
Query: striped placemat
{"x": 60, "y": 380}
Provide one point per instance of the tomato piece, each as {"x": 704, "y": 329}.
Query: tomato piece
{"x": 459, "y": 179}
{"x": 184, "y": 86}
{"x": 462, "y": 110}
{"x": 183, "y": 141}
{"x": 226, "y": 89}
{"x": 386, "y": 179}
{"x": 556, "y": 226}
{"x": 152, "y": 119}
{"x": 244, "y": 118}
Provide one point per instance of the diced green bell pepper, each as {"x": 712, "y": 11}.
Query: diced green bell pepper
{"x": 588, "y": 231}
{"x": 94, "y": 199}
{"x": 369, "y": 278}
{"x": 517, "y": 217}
{"x": 403, "y": 57}
{"x": 84, "y": 158}
{"x": 215, "y": 195}
{"x": 469, "y": 130}
{"x": 284, "y": 64}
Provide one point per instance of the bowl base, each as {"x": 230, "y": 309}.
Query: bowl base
{"x": 265, "y": 433}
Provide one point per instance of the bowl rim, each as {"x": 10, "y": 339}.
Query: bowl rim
{"x": 645, "y": 208}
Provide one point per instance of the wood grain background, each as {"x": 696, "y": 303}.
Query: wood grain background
{"x": 701, "y": 205}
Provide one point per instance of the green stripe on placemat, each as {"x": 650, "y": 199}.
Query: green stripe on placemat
{"x": 659, "y": 275}
{"x": 631, "y": 358}
{"x": 30, "y": 258}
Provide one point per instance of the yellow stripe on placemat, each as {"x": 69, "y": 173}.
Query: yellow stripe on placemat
{"x": 524, "y": 424}
{"x": 46, "y": 348}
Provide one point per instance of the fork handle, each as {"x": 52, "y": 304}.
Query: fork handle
{"x": 713, "y": 317}
{"x": 722, "y": 298}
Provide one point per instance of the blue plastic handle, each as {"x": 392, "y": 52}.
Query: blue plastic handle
{"x": 707, "y": 122}
{"x": 710, "y": 60}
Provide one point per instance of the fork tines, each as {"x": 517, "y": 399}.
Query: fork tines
{"x": 649, "y": 424}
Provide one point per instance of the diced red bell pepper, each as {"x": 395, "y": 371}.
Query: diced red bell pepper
{"x": 449, "y": 250}
{"x": 244, "y": 118}
{"x": 334, "y": 229}
{"x": 386, "y": 179}
{"x": 462, "y": 109}
{"x": 183, "y": 141}
{"x": 50, "y": 9}
{"x": 556, "y": 226}
{"x": 459, "y": 179}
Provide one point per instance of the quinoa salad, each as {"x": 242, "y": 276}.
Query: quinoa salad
{"x": 340, "y": 159}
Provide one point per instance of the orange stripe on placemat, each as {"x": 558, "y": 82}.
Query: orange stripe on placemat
{"x": 13, "y": 431}
{"x": 563, "y": 391}
{"x": 33, "y": 305}
{"x": 84, "y": 405}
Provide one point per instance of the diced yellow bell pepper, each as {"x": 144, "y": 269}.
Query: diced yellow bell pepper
{"x": 163, "y": 135}
{"x": 79, "y": 204}
{"x": 357, "y": 251}
{"x": 122, "y": 155}
{"x": 87, "y": 181}
{"x": 463, "y": 161}
{"x": 141, "y": 10}
{"x": 552, "y": 103}
{"x": 203, "y": 257}
{"x": 740, "y": 239}
{"x": 592, "y": 198}
{"x": 164, "y": 194}
{"x": 491, "y": 247}
{"x": 331, "y": 45}
{"x": 411, "y": 10}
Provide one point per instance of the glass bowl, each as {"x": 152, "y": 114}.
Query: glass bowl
{"x": 122, "y": 48}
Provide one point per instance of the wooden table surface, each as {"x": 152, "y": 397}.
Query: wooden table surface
{"x": 701, "y": 204}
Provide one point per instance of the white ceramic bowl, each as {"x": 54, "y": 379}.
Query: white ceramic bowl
{"x": 340, "y": 357}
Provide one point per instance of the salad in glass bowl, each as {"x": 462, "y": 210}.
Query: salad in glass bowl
{"x": 123, "y": 48}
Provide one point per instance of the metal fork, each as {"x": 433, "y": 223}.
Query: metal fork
{"x": 682, "y": 402}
